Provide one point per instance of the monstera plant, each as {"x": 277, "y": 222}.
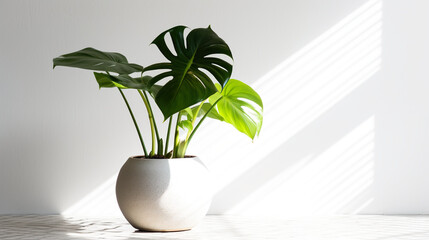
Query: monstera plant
{"x": 196, "y": 84}
{"x": 165, "y": 189}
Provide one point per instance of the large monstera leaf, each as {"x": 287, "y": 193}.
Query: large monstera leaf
{"x": 93, "y": 59}
{"x": 240, "y": 106}
{"x": 186, "y": 70}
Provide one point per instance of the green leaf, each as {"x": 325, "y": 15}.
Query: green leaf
{"x": 242, "y": 107}
{"x": 104, "y": 81}
{"x": 186, "y": 124}
{"x": 93, "y": 59}
{"x": 212, "y": 114}
{"x": 191, "y": 113}
{"x": 213, "y": 98}
{"x": 187, "y": 83}
{"x": 154, "y": 90}
{"x": 125, "y": 81}
{"x": 188, "y": 113}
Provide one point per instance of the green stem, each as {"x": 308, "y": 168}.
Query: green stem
{"x": 154, "y": 124}
{"x": 176, "y": 136}
{"x": 202, "y": 119}
{"x": 135, "y": 123}
{"x": 168, "y": 136}
{"x": 195, "y": 117}
{"x": 198, "y": 110}
{"x": 151, "y": 121}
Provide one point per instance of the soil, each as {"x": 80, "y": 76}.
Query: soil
{"x": 160, "y": 157}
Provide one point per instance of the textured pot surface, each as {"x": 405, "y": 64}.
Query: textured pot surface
{"x": 163, "y": 194}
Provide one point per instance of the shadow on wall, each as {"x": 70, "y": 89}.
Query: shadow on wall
{"x": 315, "y": 153}
{"x": 316, "y": 149}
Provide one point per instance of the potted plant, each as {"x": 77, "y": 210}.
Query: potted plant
{"x": 164, "y": 189}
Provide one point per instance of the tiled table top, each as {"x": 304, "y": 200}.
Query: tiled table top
{"x": 221, "y": 227}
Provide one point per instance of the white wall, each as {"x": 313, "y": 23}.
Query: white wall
{"x": 344, "y": 85}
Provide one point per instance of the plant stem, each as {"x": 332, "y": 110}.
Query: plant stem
{"x": 202, "y": 119}
{"x": 135, "y": 123}
{"x": 151, "y": 120}
{"x": 154, "y": 124}
{"x": 176, "y": 136}
{"x": 195, "y": 117}
{"x": 198, "y": 110}
{"x": 168, "y": 135}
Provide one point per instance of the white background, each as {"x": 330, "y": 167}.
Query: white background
{"x": 344, "y": 84}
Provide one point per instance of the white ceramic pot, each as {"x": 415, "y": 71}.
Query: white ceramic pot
{"x": 164, "y": 194}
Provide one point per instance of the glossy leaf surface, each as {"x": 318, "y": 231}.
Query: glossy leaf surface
{"x": 213, "y": 112}
{"x": 93, "y": 59}
{"x": 125, "y": 81}
{"x": 187, "y": 83}
{"x": 242, "y": 107}
{"x": 191, "y": 113}
{"x": 186, "y": 124}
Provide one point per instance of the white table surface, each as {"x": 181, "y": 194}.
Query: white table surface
{"x": 375, "y": 227}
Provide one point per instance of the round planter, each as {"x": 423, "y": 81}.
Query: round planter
{"x": 163, "y": 194}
